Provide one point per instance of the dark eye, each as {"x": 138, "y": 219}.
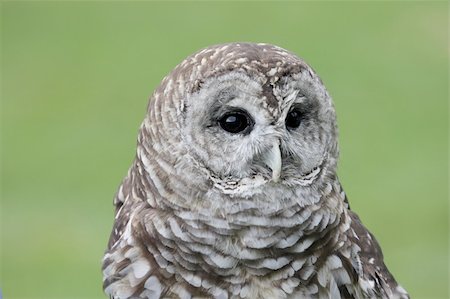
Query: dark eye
{"x": 236, "y": 122}
{"x": 293, "y": 119}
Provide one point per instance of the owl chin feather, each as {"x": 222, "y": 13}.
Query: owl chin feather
{"x": 248, "y": 186}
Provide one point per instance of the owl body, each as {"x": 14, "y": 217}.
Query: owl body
{"x": 234, "y": 192}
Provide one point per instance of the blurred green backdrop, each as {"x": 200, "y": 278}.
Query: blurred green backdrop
{"x": 75, "y": 81}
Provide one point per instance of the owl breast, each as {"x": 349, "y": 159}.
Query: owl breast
{"x": 247, "y": 253}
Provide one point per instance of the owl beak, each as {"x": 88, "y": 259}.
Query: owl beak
{"x": 272, "y": 158}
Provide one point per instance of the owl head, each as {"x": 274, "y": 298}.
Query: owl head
{"x": 242, "y": 117}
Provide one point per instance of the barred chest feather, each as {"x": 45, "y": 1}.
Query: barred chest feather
{"x": 296, "y": 252}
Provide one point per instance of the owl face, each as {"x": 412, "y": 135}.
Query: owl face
{"x": 269, "y": 124}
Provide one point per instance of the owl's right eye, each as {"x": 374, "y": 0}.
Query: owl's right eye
{"x": 236, "y": 122}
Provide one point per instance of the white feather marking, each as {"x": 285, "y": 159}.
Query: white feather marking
{"x": 322, "y": 276}
{"x": 182, "y": 293}
{"x": 341, "y": 276}
{"x": 160, "y": 260}
{"x": 140, "y": 268}
{"x": 334, "y": 262}
{"x": 171, "y": 269}
{"x": 176, "y": 230}
{"x": 161, "y": 228}
{"x": 316, "y": 220}
{"x": 334, "y": 290}
{"x": 166, "y": 254}
{"x": 297, "y": 264}
{"x": 327, "y": 189}
{"x": 151, "y": 172}
{"x": 309, "y": 178}
{"x": 218, "y": 223}
{"x": 354, "y": 234}
{"x": 206, "y": 284}
{"x": 132, "y": 253}
{"x": 241, "y": 60}
{"x": 286, "y": 287}
{"x": 289, "y": 241}
{"x": 274, "y": 264}
{"x": 306, "y": 272}
{"x": 120, "y": 289}
{"x": 127, "y": 234}
{"x": 244, "y": 292}
{"x": 272, "y": 71}
{"x": 192, "y": 279}
{"x": 293, "y": 282}
{"x": 366, "y": 285}
{"x": 302, "y": 246}
{"x": 219, "y": 293}
{"x": 224, "y": 262}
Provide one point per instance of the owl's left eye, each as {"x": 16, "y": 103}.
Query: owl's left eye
{"x": 293, "y": 119}
{"x": 236, "y": 122}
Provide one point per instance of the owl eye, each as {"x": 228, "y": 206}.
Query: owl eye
{"x": 293, "y": 119}
{"x": 236, "y": 122}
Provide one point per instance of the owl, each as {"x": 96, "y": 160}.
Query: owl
{"x": 233, "y": 192}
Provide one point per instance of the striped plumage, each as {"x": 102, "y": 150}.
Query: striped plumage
{"x": 204, "y": 213}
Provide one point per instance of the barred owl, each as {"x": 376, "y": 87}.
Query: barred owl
{"x": 233, "y": 192}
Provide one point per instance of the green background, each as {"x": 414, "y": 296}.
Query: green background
{"x": 76, "y": 77}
